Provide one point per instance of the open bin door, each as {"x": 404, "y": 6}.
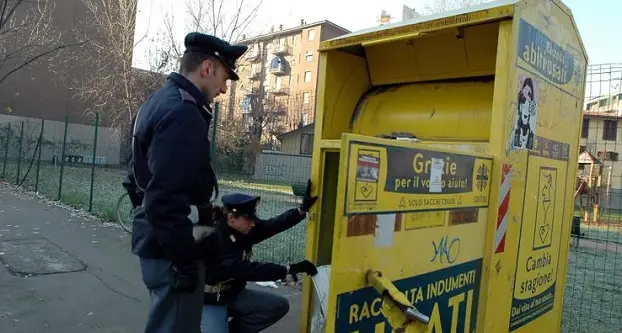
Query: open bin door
{"x": 416, "y": 214}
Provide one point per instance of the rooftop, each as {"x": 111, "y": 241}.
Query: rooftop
{"x": 289, "y": 31}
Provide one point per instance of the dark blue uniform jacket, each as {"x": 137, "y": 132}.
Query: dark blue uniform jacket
{"x": 171, "y": 166}
{"x": 228, "y": 255}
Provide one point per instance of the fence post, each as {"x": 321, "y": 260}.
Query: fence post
{"x": 93, "y": 162}
{"x": 19, "y": 154}
{"x": 39, "y": 156}
{"x": 6, "y": 150}
{"x": 62, "y": 159}
{"x": 215, "y": 121}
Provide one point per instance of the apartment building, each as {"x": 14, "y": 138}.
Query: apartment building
{"x": 280, "y": 71}
{"x": 601, "y": 137}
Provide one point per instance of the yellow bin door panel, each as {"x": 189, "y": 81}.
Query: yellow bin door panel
{"x": 418, "y": 215}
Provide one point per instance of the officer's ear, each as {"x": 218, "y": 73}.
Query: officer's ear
{"x": 207, "y": 67}
{"x": 230, "y": 217}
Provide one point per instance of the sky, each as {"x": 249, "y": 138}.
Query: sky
{"x": 594, "y": 19}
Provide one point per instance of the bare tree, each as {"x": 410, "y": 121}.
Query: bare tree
{"x": 28, "y": 35}
{"x": 114, "y": 88}
{"x": 229, "y": 20}
{"x": 436, "y": 6}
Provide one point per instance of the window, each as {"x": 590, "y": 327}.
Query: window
{"x": 309, "y": 56}
{"x": 582, "y": 149}
{"x": 586, "y": 128}
{"x": 311, "y": 35}
{"x": 306, "y": 98}
{"x": 308, "y": 76}
{"x": 608, "y": 156}
{"x": 610, "y": 130}
{"x": 306, "y": 144}
{"x": 278, "y": 83}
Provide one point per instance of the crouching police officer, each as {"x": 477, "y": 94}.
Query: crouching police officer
{"x": 171, "y": 168}
{"x": 238, "y": 229}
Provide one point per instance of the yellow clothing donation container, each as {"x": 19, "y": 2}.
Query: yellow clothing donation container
{"x": 445, "y": 154}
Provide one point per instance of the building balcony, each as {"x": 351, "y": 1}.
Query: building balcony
{"x": 253, "y": 55}
{"x": 279, "y": 91}
{"x": 255, "y": 74}
{"x": 282, "y": 49}
{"x": 279, "y": 111}
{"x": 279, "y": 69}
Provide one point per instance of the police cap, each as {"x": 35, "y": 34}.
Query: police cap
{"x": 218, "y": 48}
{"x": 242, "y": 204}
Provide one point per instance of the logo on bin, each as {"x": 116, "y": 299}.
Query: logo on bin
{"x": 367, "y": 174}
{"x": 482, "y": 177}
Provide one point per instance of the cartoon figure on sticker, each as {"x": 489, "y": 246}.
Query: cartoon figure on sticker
{"x": 527, "y": 114}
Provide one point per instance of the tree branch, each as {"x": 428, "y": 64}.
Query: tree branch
{"x": 39, "y": 56}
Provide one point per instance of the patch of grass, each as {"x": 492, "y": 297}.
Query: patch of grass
{"x": 76, "y": 191}
{"x": 593, "y": 292}
{"x": 245, "y": 182}
{"x": 603, "y": 232}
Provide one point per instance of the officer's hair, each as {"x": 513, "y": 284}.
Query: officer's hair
{"x": 222, "y": 212}
{"x": 190, "y": 61}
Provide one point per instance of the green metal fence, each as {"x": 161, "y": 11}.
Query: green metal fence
{"x": 593, "y": 290}
{"x": 83, "y": 165}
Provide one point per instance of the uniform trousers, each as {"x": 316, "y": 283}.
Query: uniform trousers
{"x": 171, "y": 312}
{"x": 251, "y": 311}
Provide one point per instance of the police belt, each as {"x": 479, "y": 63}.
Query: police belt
{"x": 216, "y": 289}
{"x": 194, "y": 209}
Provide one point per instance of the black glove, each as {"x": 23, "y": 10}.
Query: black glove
{"x": 185, "y": 278}
{"x": 307, "y": 200}
{"x": 135, "y": 198}
{"x": 304, "y": 266}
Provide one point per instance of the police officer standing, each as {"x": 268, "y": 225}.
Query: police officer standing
{"x": 229, "y": 265}
{"x": 171, "y": 168}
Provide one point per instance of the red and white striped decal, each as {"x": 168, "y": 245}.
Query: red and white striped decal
{"x": 502, "y": 215}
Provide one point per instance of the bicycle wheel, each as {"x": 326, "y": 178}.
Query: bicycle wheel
{"x": 125, "y": 219}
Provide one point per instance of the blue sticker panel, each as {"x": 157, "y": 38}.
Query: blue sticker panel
{"x": 545, "y": 55}
{"x": 449, "y": 296}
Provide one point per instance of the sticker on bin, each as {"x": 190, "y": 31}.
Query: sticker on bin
{"x": 504, "y": 204}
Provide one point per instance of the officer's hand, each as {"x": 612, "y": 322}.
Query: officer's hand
{"x": 307, "y": 200}
{"x": 185, "y": 278}
{"x": 201, "y": 232}
{"x": 304, "y": 266}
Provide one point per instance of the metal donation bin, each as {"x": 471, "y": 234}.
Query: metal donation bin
{"x": 445, "y": 154}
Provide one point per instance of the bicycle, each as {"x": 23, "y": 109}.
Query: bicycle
{"x": 125, "y": 220}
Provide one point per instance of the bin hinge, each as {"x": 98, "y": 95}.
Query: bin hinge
{"x": 401, "y": 314}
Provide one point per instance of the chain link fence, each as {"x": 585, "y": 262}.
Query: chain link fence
{"x": 83, "y": 165}
{"x": 593, "y": 292}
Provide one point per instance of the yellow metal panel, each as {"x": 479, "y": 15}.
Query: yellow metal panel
{"x": 330, "y": 144}
{"x": 546, "y": 66}
{"x": 344, "y": 79}
{"x": 500, "y": 128}
{"x": 463, "y": 17}
{"x": 450, "y": 53}
{"x": 440, "y": 274}
{"x": 448, "y": 111}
